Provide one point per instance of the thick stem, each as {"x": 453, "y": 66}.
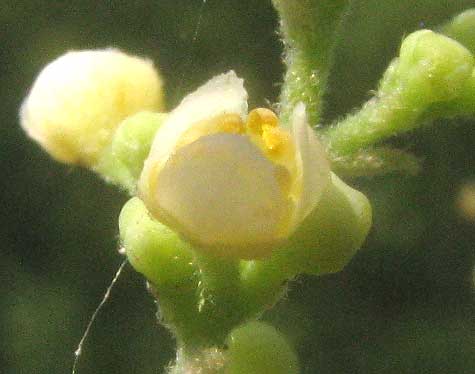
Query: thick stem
{"x": 309, "y": 29}
{"x": 219, "y": 304}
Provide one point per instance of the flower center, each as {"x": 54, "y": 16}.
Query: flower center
{"x": 262, "y": 127}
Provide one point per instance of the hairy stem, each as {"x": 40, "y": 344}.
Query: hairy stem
{"x": 309, "y": 30}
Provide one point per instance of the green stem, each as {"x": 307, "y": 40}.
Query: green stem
{"x": 380, "y": 118}
{"x": 431, "y": 70}
{"x": 309, "y": 29}
{"x": 219, "y": 304}
{"x": 376, "y": 161}
{"x": 263, "y": 282}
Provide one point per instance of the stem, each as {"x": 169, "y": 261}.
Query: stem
{"x": 207, "y": 361}
{"x": 380, "y": 118}
{"x": 432, "y": 69}
{"x": 376, "y": 161}
{"x": 202, "y": 312}
{"x": 219, "y": 304}
{"x": 263, "y": 282}
{"x": 309, "y": 29}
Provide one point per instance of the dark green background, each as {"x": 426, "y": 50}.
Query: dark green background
{"x": 405, "y": 304}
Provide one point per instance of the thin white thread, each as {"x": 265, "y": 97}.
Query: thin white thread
{"x": 198, "y": 24}
{"x": 193, "y": 42}
{"x": 78, "y": 351}
{"x": 105, "y": 298}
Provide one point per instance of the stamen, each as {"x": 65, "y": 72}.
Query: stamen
{"x": 232, "y": 123}
{"x": 259, "y": 117}
{"x": 273, "y": 138}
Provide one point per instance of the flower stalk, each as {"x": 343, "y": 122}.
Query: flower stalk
{"x": 309, "y": 30}
{"x": 432, "y": 70}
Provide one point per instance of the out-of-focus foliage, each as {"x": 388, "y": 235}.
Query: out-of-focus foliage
{"x": 405, "y": 304}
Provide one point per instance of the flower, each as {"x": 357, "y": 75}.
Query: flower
{"x": 232, "y": 183}
{"x": 79, "y": 99}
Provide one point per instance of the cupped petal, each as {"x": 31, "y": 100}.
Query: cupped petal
{"x": 224, "y": 94}
{"x": 221, "y": 191}
{"x": 312, "y": 165}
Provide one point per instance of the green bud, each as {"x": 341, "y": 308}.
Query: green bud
{"x": 122, "y": 161}
{"x": 427, "y": 80}
{"x": 462, "y": 29}
{"x": 152, "y": 248}
{"x": 462, "y": 105}
{"x": 258, "y": 348}
{"x": 433, "y": 67}
{"x": 466, "y": 102}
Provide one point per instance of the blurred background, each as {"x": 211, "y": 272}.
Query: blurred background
{"x": 405, "y": 304}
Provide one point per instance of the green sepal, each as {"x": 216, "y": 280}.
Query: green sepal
{"x": 324, "y": 243}
{"x": 327, "y": 240}
{"x": 122, "y": 161}
{"x": 153, "y": 249}
{"x": 258, "y": 348}
{"x": 197, "y": 294}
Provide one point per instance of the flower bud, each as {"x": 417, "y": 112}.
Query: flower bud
{"x": 79, "y": 99}
{"x": 433, "y": 67}
{"x": 233, "y": 183}
{"x": 121, "y": 162}
{"x": 258, "y": 348}
{"x": 462, "y": 29}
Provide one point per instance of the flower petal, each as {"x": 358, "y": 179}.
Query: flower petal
{"x": 313, "y": 166}
{"x": 223, "y": 94}
{"x": 222, "y": 191}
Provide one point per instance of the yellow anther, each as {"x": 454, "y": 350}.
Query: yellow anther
{"x": 231, "y": 123}
{"x": 274, "y": 138}
{"x": 259, "y": 117}
{"x": 228, "y": 123}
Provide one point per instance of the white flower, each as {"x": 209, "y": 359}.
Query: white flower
{"x": 79, "y": 99}
{"x": 233, "y": 183}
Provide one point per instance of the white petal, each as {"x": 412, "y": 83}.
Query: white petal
{"x": 221, "y": 190}
{"x": 313, "y": 166}
{"x": 223, "y": 94}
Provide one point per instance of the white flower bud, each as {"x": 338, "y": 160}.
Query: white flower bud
{"x": 233, "y": 183}
{"x": 80, "y": 98}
